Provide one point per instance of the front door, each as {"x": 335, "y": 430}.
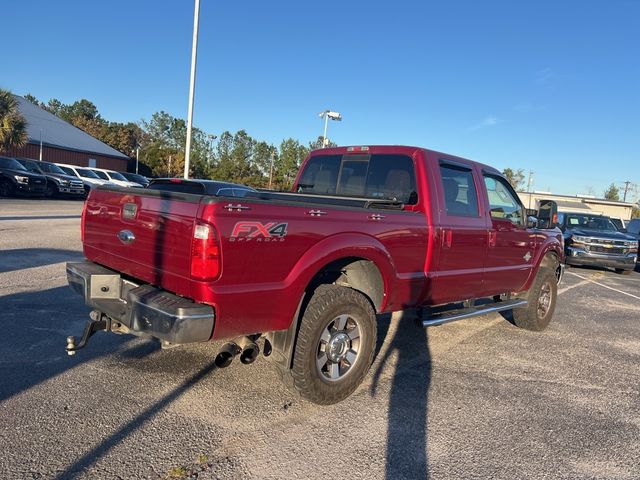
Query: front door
{"x": 511, "y": 248}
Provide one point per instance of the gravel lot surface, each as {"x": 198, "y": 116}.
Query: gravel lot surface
{"x": 473, "y": 399}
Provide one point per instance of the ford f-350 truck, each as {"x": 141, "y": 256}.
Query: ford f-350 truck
{"x": 365, "y": 230}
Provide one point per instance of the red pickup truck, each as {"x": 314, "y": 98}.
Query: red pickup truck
{"x": 365, "y": 230}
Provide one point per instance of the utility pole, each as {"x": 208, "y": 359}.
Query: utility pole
{"x": 626, "y": 189}
{"x": 192, "y": 87}
{"x": 273, "y": 155}
{"x": 529, "y": 183}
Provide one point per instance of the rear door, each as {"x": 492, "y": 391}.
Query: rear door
{"x": 511, "y": 245}
{"x": 462, "y": 234}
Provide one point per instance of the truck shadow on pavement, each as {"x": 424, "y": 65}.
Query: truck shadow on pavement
{"x": 406, "y": 449}
{"x": 93, "y": 455}
{"x": 35, "y": 326}
{"x": 21, "y": 258}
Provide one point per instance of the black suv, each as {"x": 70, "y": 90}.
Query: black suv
{"x": 17, "y": 180}
{"x": 594, "y": 240}
{"x": 58, "y": 182}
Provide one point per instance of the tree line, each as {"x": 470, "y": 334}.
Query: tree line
{"x": 160, "y": 141}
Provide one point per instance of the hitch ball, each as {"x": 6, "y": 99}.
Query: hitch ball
{"x": 71, "y": 346}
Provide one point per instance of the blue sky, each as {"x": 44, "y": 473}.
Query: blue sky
{"x": 547, "y": 86}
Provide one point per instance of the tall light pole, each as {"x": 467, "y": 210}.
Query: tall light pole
{"x": 328, "y": 114}
{"x": 192, "y": 87}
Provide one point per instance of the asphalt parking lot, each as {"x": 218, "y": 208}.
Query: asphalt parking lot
{"x": 474, "y": 399}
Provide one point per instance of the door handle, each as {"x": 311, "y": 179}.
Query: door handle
{"x": 447, "y": 238}
{"x": 376, "y": 216}
{"x": 236, "y": 208}
{"x": 492, "y": 238}
{"x": 316, "y": 213}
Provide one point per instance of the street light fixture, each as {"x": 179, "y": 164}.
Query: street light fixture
{"x": 328, "y": 114}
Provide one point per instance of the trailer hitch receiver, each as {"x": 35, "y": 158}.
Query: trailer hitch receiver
{"x": 98, "y": 322}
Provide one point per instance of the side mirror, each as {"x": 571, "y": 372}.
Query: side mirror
{"x": 548, "y": 214}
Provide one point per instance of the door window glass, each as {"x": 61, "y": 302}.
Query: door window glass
{"x": 460, "y": 194}
{"x": 502, "y": 202}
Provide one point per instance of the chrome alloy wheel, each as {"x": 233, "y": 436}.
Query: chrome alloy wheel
{"x": 544, "y": 300}
{"x": 338, "y": 347}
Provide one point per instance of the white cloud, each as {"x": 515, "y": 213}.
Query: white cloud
{"x": 488, "y": 121}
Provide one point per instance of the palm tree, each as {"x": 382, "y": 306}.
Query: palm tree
{"x": 13, "y": 126}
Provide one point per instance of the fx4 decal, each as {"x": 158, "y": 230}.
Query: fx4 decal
{"x": 260, "y": 232}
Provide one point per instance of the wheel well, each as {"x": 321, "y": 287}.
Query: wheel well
{"x": 550, "y": 260}
{"x": 353, "y": 272}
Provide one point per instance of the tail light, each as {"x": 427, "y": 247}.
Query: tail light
{"x": 205, "y": 252}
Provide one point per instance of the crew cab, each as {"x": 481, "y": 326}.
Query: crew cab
{"x": 595, "y": 240}
{"x": 59, "y": 183}
{"x": 17, "y": 180}
{"x": 301, "y": 275}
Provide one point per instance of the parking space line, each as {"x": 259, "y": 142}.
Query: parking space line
{"x": 565, "y": 289}
{"x": 603, "y": 285}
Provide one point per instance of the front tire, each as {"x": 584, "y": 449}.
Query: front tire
{"x": 50, "y": 190}
{"x": 542, "y": 302}
{"x": 335, "y": 344}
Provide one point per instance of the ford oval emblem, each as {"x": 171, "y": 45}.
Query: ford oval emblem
{"x": 126, "y": 236}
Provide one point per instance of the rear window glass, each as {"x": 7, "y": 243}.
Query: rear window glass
{"x": 382, "y": 177}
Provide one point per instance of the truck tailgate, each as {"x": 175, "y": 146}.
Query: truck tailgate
{"x": 144, "y": 234}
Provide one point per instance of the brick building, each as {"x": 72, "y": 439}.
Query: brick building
{"x": 62, "y": 142}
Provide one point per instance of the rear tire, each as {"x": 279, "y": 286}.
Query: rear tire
{"x": 622, "y": 271}
{"x": 335, "y": 344}
{"x": 542, "y": 302}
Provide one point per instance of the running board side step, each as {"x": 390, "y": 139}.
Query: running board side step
{"x": 475, "y": 311}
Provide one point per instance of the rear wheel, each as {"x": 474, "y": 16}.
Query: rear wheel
{"x": 335, "y": 344}
{"x": 542, "y": 302}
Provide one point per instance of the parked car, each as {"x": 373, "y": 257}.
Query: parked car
{"x": 595, "y": 240}
{"x": 633, "y": 229}
{"x": 201, "y": 187}
{"x": 17, "y": 180}
{"x": 87, "y": 176}
{"x": 620, "y": 223}
{"x": 365, "y": 230}
{"x": 136, "y": 178}
{"x": 114, "y": 177}
{"x": 59, "y": 183}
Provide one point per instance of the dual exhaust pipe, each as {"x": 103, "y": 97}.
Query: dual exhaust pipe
{"x": 244, "y": 347}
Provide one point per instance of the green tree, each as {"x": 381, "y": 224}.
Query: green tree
{"x": 292, "y": 153}
{"x": 318, "y": 143}
{"x": 515, "y": 178}
{"x": 612, "y": 193}
{"x": 13, "y": 126}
